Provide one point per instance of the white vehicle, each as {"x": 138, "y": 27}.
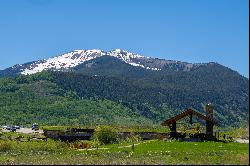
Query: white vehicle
{"x": 17, "y": 126}
{"x": 35, "y": 126}
{"x": 4, "y": 127}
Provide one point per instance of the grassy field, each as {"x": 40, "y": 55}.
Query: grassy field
{"x": 144, "y": 152}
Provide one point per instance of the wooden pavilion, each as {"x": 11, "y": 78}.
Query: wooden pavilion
{"x": 210, "y": 122}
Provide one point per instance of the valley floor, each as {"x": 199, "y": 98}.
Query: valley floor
{"x": 144, "y": 152}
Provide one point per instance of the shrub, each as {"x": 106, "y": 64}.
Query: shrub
{"x": 81, "y": 144}
{"x": 5, "y": 146}
{"x": 105, "y": 134}
{"x": 131, "y": 139}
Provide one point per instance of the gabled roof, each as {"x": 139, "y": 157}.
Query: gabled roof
{"x": 186, "y": 113}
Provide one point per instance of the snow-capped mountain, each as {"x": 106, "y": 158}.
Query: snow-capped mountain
{"x": 77, "y": 57}
{"x": 128, "y": 79}
{"x": 74, "y": 58}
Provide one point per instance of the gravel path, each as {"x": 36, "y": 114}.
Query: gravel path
{"x": 246, "y": 141}
{"x": 25, "y": 130}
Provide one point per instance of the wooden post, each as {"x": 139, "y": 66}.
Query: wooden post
{"x": 173, "y": 129}
{"x": 209, "y": 129}
{"x": 209, "y": 125}
{"x": 191, "y": 119}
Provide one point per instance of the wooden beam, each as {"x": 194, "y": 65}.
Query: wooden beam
{"x": 186, "y": 113}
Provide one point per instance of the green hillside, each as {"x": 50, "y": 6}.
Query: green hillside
{"x": 71, "y": 98}
{"x": 25, "y": 100}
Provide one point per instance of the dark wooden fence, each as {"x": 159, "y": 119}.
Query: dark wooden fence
{"x": 85, "y": 134}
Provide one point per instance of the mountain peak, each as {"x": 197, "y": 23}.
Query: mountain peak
{"x": 117, "y": 50}
{"x": 69, "y": 60}
{"x": 76, "y": 57}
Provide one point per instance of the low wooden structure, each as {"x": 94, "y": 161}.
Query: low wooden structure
{"x": 71, "y": 134}
{"x": 85, "y": 134}
{"x": 210, "y": 122}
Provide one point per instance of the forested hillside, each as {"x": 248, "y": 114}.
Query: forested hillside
{"x": 29, "y": 99}
{"x": 94, "y": 94}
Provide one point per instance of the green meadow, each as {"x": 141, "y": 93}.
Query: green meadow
{"x": 28, "y": 149}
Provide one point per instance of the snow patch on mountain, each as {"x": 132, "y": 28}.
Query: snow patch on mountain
{"x": 76, "y": 57}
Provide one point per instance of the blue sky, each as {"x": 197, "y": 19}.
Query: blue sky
{"x": 187, "y": 30}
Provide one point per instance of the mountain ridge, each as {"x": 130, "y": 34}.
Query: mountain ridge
{"x": 65, "y": 62}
